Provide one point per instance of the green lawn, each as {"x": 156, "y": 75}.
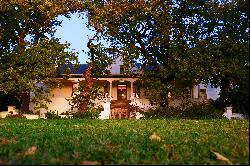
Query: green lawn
{"x": 124, "y": 141}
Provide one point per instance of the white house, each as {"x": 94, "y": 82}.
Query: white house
{"x": 123, "y": 90}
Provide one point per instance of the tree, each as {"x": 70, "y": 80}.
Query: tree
{"x": 184, "y": 41}
{"x": 223, "y": 52}
{"x": 29, "y": 55}
{"x": 232, "y": 75}
{"x": 87, "y": 91}
{"x": 22, "y": 72}
{"x": 152, "y": 31}
{"x": 135, "y": 29}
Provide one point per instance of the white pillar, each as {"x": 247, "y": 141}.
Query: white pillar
{"x": 110, "y": 88}
{"x": 131, "y": 93}
{"x": 196, "y": 92}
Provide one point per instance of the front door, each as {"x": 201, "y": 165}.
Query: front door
{"x": 122, "y": 92}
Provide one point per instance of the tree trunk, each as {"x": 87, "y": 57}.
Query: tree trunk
{"x": 25, "y": 96}
{"x": 88, "y": 78}
{"x": 25, "y": 99}
{"x": 224, "y": 88}
{"x": 87, "y": 89}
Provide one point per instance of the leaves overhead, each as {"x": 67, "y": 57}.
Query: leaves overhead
{"x": 29, "y": 54}
{"x": 183, "y": 41}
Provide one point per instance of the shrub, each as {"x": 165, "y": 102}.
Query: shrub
{"x": 194, "y": 111}
{"x": 133, "y": 109}
{"x": 66, "y": 113}
{"x": 201, "y": 111}
{"x": 15, "y": 116}
{"x": 161, "y": 112}
{"x": 32, "y": 112}
{"x": 80, "y": 98}
{"x": 91, "y": 113}
{"x": 52, "y": 115}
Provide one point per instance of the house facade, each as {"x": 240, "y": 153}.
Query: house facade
{"x": 120, "y": 91}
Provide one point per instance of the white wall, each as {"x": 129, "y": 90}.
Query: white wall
{"x": 59, "y": 103}
{"x": 115, "y": 67}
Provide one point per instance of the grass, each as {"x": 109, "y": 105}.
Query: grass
{"x": 123, "y": 141}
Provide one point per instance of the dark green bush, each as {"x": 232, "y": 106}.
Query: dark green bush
{"x": 201, "y": 111}
{"x": 15, "y": 116}
{"x": 68, "y": 114}
{"x": 162, "y": 112}
{"x": 92, "y": 113}
{"x": 52, "y": 115}
{"x": 194, "y": 111}
{"x": 133, "y": 109}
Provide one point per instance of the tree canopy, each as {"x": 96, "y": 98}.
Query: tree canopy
{"x": 185, "y": 41}
{"x": 29, "y": 54}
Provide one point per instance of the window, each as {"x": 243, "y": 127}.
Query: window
{"x": 203, "y": 94}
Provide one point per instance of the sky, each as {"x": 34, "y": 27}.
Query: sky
{"x": 75, "y": 32}
{"x": 213, "y": 93}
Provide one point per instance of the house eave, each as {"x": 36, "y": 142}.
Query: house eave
{"x": 99, "y": 76}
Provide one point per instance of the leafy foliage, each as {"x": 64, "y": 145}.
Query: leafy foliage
{"x": 91, "y": 113}
{"x": 52, "y": 115}
{"x": 20, "y": 19}
{"x": 80, "y": 98}
{"x": 194, "y": 111}
{"x": 29, "y": 54}
{"x": 15, "y": 116}
{"x": 183, "y": 41}
{"x": 134, "y": 110}
{"x": 33, "y": 70}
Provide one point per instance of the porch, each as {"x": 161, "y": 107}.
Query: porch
{"x": 119, "y": 90}
{"x": 119, "y": 109}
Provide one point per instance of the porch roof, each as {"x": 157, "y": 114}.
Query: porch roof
{"x": 101, "y": 76}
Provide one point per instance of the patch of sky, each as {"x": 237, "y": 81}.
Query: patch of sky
{"x": 212, "y": 93}
{"x": 74, "y": 31}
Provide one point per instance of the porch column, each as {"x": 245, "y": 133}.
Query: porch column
{"x": 132, "y": 87}
{"x": 196, "y": 92}
{"x": 110, "y": 88}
